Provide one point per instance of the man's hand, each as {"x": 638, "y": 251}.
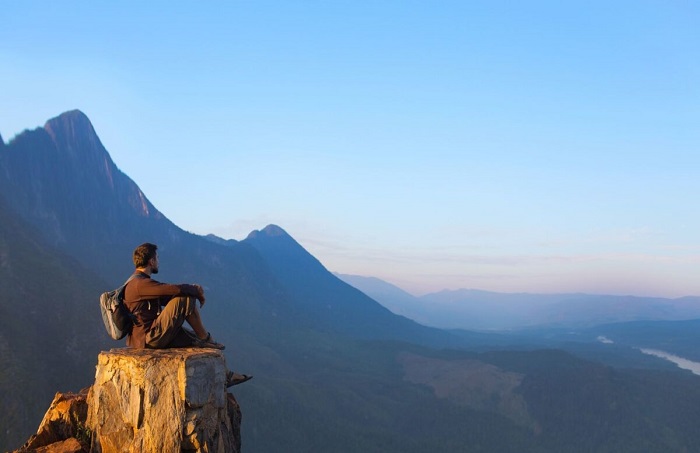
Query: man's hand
{"x": 200, "y": 295}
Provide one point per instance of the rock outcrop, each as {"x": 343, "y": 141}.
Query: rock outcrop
{"x": 162, "y": 400}
{"x": 166, "y": 400}
{"x": 62, "y": 425}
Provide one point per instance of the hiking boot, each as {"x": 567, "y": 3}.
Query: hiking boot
{"x": 208, "y": 343}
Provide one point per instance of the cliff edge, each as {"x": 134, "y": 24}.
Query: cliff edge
{"x": 146, "y": 401}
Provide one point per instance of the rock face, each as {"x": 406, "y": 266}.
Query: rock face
{"x": 65, "y": 160}
{"x": 167, "y": 400}
{"x": 63, "y": 423}
{"x": 162, "y": 400}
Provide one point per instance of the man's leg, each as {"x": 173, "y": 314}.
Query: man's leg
{"x": 195, "y": 320}
{"x": 167, "y": 327}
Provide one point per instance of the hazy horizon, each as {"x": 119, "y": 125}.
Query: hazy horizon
{"x": 421, "y": 294}
{"x": 533, "y": 147}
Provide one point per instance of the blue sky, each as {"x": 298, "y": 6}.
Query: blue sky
{"x": 510, "y": 146}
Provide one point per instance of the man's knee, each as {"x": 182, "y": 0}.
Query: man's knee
{"x": 184, "y": 304}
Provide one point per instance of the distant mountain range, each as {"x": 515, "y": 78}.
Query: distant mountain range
{"x": 483, "y": 310}
{"x": 334, "y": 369}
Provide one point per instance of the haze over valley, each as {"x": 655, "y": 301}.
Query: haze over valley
{"x": 486, "y": 310}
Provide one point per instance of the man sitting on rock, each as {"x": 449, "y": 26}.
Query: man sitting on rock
{"x": 160, "y": 309}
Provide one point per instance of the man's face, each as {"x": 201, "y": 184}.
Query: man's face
{"x": 154, "y": 264}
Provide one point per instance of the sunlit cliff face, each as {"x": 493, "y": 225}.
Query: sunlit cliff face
{"x": 144, "y": 204}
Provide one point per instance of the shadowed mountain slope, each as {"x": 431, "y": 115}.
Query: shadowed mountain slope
{"x": 46, "y": 342}
{"x": 333, "y": 304}
{"x": 64, "y": 181}
{"x": 392, "y": 297}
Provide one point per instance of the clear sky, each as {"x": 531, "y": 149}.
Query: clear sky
{"x": 529, "y": 146}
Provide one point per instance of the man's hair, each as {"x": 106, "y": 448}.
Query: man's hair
{"x": 143, "y": 254}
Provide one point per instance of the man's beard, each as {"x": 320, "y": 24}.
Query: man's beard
{"x": 154, "y": 270}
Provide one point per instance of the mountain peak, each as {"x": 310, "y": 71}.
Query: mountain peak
{"x": 65, "y": 160}
{"x": 72, "y": 118}
{"x": 73, "y": 130}
{"x": 269, "y": 231}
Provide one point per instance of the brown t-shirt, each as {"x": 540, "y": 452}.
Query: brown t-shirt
{"x": 143, "y": 297}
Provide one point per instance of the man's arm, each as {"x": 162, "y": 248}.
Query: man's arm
{"x": 200, "y": 295}
{"x": 151, "y": 289}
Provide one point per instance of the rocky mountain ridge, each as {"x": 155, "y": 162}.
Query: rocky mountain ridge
{"x": 64, "y": 182}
